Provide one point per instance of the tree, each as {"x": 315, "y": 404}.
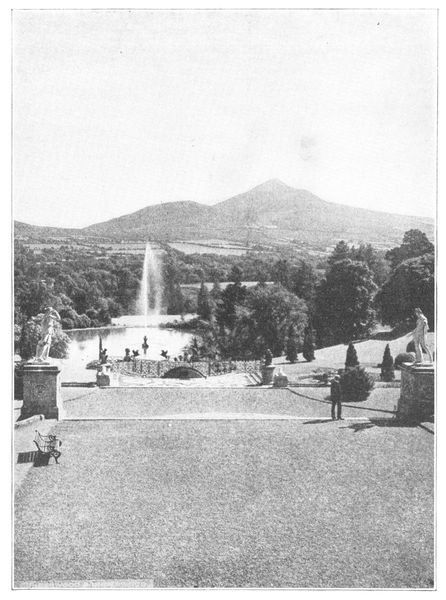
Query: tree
{"x": 341, "y": 252}
{"x": 281, "y": 273}
{"x": 387, "y": 367}
{"x": 415, "y": 243}
{"x": 351, "y": 359}
{"x": 69, "y": 317}
{"x": 344, "y": 303}
{"x": 30, "y": 336}
{"x": 236, "y": 275}
{"x": 216, "y": 291}
{"x": 374, "y": 260}
{"x": 292, "y": 345}
{"x": 175, "y": 299}
{"x": 308, "y": 346}
{"x": 231, "y": 297}
{"x": 203, "y": 303}
{"x": 265, "y": 320}
{"x": 303, "y": 283}
{"x": 411, "y": 284}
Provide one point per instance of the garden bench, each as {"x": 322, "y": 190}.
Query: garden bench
{"x": 48, "y": 445}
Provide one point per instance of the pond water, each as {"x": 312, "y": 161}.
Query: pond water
{"x": 84, "y": 346}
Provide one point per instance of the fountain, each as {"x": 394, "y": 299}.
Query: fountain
{"x": 150, "y": 295}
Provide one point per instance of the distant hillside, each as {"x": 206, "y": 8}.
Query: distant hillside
{"x": 290, "y": 213}
{"x": 161, "y": 221}
{"x": 271, "y": 212}
{"x": 25, "y": 230}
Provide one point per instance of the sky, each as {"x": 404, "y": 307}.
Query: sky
{"x": 117, "y": 110}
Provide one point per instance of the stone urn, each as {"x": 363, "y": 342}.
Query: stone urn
{"x": 267, "y": 374}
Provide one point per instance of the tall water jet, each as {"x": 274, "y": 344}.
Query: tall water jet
{"x": 151, "y": 290}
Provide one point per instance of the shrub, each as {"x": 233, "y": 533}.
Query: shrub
{"x": 31, "y": 333}
{"x": 387, "y": 368}
{"x": 410, "y": 347}
{"x": 408, "y": 357}
{"x": 351, "y": 359}
{"x": 83, "y": 321}
{"x": 67, "y": 323}
{"x": 356, "y": 384}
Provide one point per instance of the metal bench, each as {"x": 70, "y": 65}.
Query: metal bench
{"x": 48, "y": 445}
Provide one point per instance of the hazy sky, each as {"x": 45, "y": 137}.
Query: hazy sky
{"x": 116, "y": 110}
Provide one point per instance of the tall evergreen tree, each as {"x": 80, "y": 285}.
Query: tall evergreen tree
{"x": 387, "y": 365}
{"x": 292, "y": 345}
{"x": 203, "y": 303}
{"x": 351, "y": 359}
{"x": 308, "y": 345}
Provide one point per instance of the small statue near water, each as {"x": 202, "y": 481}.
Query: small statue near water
{"x": 49, "y": 320}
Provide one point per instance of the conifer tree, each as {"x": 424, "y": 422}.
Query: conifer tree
{"x": 351, "y": 359}
{"x": 308, "y": 346}
{"x": 291, "y": 346}
{"x": 203, "y": 304}
{"x": 387, "y": 366}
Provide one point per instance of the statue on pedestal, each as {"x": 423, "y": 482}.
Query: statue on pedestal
{"x": 419, "y": 337}
{"x": 49, "y": 320}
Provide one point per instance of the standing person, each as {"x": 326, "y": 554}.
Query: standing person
{"x": 419, "y": 336}
{"x": 336, "y": 398}
{"x": 145, "y": 345}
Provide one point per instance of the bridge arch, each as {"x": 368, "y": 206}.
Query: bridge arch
{"x": 183, "y": 373}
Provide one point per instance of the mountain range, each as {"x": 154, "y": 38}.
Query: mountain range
{"x": 270, "y": 212}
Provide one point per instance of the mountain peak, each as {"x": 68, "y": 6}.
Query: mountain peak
{"x": 272, "y": 185}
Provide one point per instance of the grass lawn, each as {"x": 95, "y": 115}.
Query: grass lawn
{"x": 370, "y": 353}
{"x": 231, "y": 503}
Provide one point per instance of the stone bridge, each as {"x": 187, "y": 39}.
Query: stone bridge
{"x": 143, "y": 367}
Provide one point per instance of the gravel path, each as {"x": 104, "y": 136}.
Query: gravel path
{"x": 146, "y": 403}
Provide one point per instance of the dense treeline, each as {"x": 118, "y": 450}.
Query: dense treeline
{"x": 331, "y": 302}
{"x": 360, "y": 287}
{"x": 88, "y": 289}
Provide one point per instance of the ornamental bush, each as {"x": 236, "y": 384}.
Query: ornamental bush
{"x": 410, "y": 347}
{"x": 408, "y": 357}
{"x": 351, "y": 359}
{"x": 356, "y": 384}
{"x": 387, "y": 368}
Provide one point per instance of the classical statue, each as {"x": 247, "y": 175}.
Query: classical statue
{"x": 419, "y": 337}
{"x": 49, "y": 319}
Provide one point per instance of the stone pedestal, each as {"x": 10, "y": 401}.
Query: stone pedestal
{"x": 41, "y": 391}
{"x": 103, "y": 375}
{"x": 417, "y": 398}
{"x": 267, "y": 374}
